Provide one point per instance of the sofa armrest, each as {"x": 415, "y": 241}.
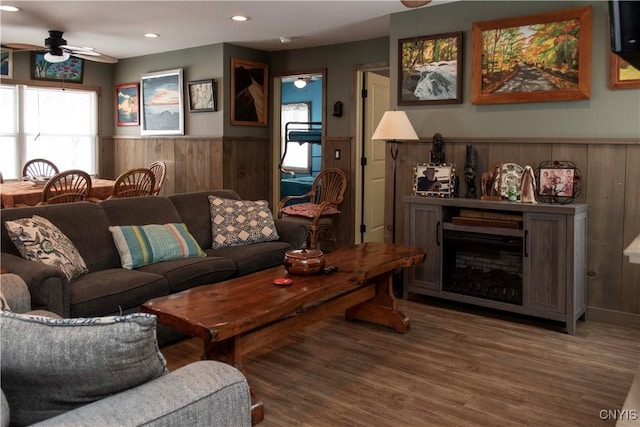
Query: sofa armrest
{"x": 14, "y": 293}
{"x": 292, "y": 232}
{"x": 204, "y": 393}
{"x": 48, "y": 286}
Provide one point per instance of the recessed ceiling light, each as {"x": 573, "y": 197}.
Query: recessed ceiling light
{"x": 151, "y": 35}
{"x": 239, "y": 18}
{"x": 7, "y": 8}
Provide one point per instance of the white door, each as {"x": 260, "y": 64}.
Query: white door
{"x": 376, "y": 103}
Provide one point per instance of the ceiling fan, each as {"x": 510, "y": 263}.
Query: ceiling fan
{"x": 59, "y": 51}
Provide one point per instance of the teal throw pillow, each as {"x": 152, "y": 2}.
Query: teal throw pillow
{"x": 140, "y": 245}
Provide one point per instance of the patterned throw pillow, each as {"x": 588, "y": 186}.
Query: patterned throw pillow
{"x": 308, "y": 210}
{"x": 240, "y": 222}
{"x": 37, "y": 239}
{"x": 140, "y": 245}
{"x": 50, "y": 366}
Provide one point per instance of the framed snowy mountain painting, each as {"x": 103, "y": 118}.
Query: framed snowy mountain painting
{"x": 430, "y": 69}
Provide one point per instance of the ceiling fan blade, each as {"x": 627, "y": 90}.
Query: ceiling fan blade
{"x": 413, "y": 4}
{"x": 96, "y": 58}
{"x": 23, "y": 46}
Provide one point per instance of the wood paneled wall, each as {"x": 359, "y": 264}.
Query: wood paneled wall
{"x": 610, "y": 186}
{"x": 194, "y": 163}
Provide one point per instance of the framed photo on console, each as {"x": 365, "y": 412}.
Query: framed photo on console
{"x": 434, "y": 180}
{"x": 558, "y": 181}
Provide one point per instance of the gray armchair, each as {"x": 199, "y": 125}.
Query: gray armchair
{"x": 204, "y": 393}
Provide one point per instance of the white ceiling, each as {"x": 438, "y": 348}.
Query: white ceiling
{"x": 116, "y": 28}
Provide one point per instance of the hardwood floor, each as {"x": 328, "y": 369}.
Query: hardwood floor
{"x": 458, "y": 366}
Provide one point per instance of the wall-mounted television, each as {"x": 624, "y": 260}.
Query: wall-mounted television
{"x": 624, "y": 23}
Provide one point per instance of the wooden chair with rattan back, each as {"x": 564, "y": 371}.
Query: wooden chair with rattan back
{"x": 66, "y": 187}
{"x": 159, "y": 170}
{"x": 318, "y": 206}
{"x": 134, "y": 183}
{"x": 39, "y": 168}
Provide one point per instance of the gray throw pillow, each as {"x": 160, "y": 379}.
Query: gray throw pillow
{"x": 50, "y": 366}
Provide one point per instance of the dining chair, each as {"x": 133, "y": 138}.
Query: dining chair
{"x": 39, "y": 168}
{"x": 134, "y": 183}
{"x": 159, "y": 170}
{"x": 319, "y": 206}
{"x": 67, "y": 186}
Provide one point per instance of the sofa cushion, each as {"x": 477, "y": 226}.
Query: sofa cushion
{"x": 240, "y": 222}
{"x": 139, "y": 210}
{"x": 251, "y": 258}
{"x": 94, "y": 242}
{"x": 50, "y": 366}
{"x": 186, "y": 273}
{"x": 37, "y": 239}
{"x": 195, "y": 212}
{"x": 113, "y": 291}
{"x": 140, "y": 245}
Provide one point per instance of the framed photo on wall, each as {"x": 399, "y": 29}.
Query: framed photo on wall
{"x": 128, "y": 104}
{"x": 622, "y": 75}
{"x": 202, "y": 95}
{"x": 538, "y": 58}
{"x": 71, "y": 70}
{"x": 162, "y": 108}
{"x": 249, "y": 97}
{"x": 430, "y": 69}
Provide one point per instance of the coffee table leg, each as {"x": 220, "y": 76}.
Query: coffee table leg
{"x": 227, "y": 351}
{"x": 382, "y": 308}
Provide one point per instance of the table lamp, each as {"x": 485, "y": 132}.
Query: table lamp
{"x": 394, "y": 127}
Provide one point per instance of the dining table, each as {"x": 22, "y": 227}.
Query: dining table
{"x": 29, "y": 193}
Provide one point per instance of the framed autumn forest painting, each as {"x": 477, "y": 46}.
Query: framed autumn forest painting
{"x": 622, "y": 75}
{"x": 537, "y": 58}
{"x": 430, "y": 69}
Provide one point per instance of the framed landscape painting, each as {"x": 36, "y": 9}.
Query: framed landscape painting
{"x": 249, "y": 92}
{"x": 538, "y": 58}
{"x": 430, "y": 69}
{"x": 162, "y": 111}
{"x": 128, "y": 104}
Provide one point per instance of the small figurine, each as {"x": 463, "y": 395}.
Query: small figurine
{"x": 470, "y": 172}
{"x": 528, "y": 186}
{"x": 437, "y": 153}
{"x": 488, "y": 179}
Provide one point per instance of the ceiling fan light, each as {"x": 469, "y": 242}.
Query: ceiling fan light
{"x": 300, "y": 83}
{"x": 55, "y": 58}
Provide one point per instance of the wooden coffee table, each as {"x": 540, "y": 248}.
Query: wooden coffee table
{"x": 239, "y": 315}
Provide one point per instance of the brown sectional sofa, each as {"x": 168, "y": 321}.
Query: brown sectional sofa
{"x": 109, "y": 289}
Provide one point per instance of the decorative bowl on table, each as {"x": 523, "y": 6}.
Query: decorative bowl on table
{"x": 304, "y": 261}
{"x": 39, "y": 181}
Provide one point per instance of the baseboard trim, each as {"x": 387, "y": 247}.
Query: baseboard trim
{"x": 620, "y": 318}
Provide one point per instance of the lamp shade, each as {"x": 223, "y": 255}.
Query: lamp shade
{"x": 393, "y": 126}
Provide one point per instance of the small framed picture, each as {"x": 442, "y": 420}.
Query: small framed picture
{"x": 558, "y": 181}
{"x": 202, "y": 96}
{"x": 128, "y": 104}
{"x": 430, "y": 179}
{"x": 6, "y": 63}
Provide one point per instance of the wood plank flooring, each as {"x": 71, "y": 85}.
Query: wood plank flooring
{"x": 458, "y": 366}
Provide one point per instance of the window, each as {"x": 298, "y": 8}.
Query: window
{"x": 56, "y": 124}
{"x": 298, "y": 156}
